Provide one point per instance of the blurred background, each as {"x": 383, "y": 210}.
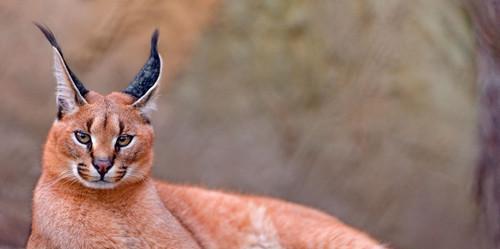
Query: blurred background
{"x": 365, "y": 109}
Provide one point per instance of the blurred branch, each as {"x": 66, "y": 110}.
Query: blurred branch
{"x": 486, "y": 16}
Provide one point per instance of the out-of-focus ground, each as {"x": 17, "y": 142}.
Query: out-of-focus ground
{"x": 363, "y": 108}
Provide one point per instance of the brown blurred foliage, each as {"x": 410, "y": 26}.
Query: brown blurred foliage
{"x": 362, "y": 108}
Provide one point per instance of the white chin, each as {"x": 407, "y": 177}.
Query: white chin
{"x": 99, "y": 184}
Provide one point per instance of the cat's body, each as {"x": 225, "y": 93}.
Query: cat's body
{"x": 135, "y": 217}
{"x": 95, "y": 190}
{"x": 222, "y": 220}
{"x": 162, "y": 215}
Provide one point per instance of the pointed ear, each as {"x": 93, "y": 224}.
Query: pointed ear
{"x": 70, "y": 92}
{"x": 145, "y": 85}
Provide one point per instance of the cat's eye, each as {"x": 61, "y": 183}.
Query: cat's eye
{"x": 83, "y": 137}
{"x": 124, "y": 140}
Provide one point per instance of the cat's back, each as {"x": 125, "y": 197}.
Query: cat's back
{"x": 224, "y": 220}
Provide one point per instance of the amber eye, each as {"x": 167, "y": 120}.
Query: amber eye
{"x": 83, "y": 137}
{"x": 124, "y": 140}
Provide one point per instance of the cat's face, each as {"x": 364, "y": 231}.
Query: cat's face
{"x": 105, "y": 143}
{"x": 100, "y": 141}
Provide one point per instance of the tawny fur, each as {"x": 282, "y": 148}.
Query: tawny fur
{"x": 143, "y": 213}
{"x": 77, "y": 205}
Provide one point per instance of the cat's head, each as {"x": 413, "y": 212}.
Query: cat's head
{"x": 102, "y": 141}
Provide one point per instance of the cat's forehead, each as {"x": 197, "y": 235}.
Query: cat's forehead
{"x": 114, "y": 98}
{"x": 100, "y": 105}
{"x": 107, "y": 113}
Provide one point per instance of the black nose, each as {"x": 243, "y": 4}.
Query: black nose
{"x": 102, "y": 165}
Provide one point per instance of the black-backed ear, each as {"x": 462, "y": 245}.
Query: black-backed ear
{"x": 145, "y": 84}
{"x": 70, "y": 92}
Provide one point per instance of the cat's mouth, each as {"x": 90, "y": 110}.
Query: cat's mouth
{"x": 92, "y": 179}
{"x": 102, "y": 180}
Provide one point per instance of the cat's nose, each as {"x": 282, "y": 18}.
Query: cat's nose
{"x": 102, "y": 165}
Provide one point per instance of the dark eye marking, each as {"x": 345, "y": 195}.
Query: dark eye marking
{"x": 89, "y": 124}
{"x": 122, "y": 126}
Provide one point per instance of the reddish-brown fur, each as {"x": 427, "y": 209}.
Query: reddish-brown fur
{"x": 75, "y": 205}
{"x": 140, "y": 212}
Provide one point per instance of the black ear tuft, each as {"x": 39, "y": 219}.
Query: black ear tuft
{"x": 49, "y": 35}
{"x": 148, "y": 76}
{"x": 52, "y": 40}
{"x": 154, "y": 41}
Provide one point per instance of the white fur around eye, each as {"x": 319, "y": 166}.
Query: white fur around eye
{"x": 113, "y": 141}
{"x": 94, "y": 139}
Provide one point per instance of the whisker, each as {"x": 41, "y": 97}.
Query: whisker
{"x": 62, "y": 176}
